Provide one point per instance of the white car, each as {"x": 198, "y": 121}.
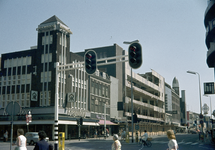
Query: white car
{"x": 33, "y": 137}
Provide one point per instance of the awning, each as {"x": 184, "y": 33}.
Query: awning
{"x": 101, "y": 122}
{"x": 90, "y": 124}
{"x": 67, "y": 122}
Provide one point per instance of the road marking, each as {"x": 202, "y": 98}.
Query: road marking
{"x": 188, "y": 143}
{"x": 195, "y": 143}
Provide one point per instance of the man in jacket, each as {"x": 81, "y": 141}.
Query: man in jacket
{"x": 41, "y": 144}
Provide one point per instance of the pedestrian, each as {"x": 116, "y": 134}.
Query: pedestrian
{"x": 42, "y": 144}
{"x": 21, "y": 140}
{"x": 144, "y": 138}
{"x": 116, "y": 144}
{"x": 6, "y": 136}
{"x": 173, "y": 145}
{"x": 95, "y": 134}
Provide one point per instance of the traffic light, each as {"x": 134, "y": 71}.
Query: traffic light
{"x": 78, "y": 121}
{"x": 81, "y": 121}
{"x": 90, "y": 60}
{"x": 135, "y": 55}
{"x": 135, "y": 118}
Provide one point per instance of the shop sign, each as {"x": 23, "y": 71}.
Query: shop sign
{"x": 78, "y": 112}
{"x": 100, "y": 117}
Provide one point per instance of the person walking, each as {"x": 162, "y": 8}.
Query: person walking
{"x": 21, "y": 140}
{"x": 173, "y": 145}
{"x": 5, "y": 136}
{"x": 95, "y": 134}
{"x": 116, "y": 144}
{"x": 42, "y": 144}
{"x": 144, "y": 138}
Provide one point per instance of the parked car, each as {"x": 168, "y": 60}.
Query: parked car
{"x": 193, "y": 132}
{"x": 33, "y": 137}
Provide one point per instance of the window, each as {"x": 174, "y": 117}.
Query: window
{"x": 47, "y": 40}
{"x": 92, "y": 105}
{"x": 100, "y": 90}
{"x": 47, "y": 76}
{"x": 96, "y": 85}
{"x": 103, "y": 91}
{"x": 46, "y": 58}
{"x": 106, "y": 91}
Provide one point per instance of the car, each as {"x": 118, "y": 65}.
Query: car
{"x": 193, "y": 132}
{"x": 33, "y": 137}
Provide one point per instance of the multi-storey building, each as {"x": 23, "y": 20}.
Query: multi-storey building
{"x": 28, "y": 77}
{"x": 209, "y": 23}
{"x": 148, "y": 99}
{"x": 168, "y": 97}
{"x": 115, "y": 70}
{"x": 183, "y": 108}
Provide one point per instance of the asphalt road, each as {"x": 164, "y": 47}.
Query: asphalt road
{"x": 185, "y": 142}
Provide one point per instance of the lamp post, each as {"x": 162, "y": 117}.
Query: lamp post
{"x": 199, "y": 89}
{"x": 192, "y": 72}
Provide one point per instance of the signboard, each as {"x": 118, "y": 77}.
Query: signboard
{"x": 172, "y": 112}
{"x": 34, "y": 95}
{"x": 71, "y": 97}
{"x": 209, "y": 88}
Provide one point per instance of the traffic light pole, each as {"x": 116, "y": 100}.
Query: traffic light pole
{"x": 132, "y": 118}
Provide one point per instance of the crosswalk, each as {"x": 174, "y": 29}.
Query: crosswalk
{"x": 179, "y": 143}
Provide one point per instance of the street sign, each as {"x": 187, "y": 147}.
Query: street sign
{"x": 201, "y": 121}
{"x": 209, "y": 88}
{"x": 13, "y": 108}
{"x": 201, "y": 116}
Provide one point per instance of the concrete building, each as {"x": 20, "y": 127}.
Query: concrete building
{"x": 176, "y": 118}
{"x": 183, "y": 108}
{"x": 28, "y": 77}
{"x": 209, "y": 23}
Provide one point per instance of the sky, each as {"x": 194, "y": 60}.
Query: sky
{"x": 171, "y": 32}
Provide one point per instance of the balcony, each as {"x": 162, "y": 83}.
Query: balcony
{"x": 154, "y": 108}
{"x": 141, "y": 92}
{"x": 145, "y": 117}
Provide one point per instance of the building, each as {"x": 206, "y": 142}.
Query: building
{"x": 28, "y": 77}
{"x": 115, "y": 70}
{"x": 168, "y": 97}
{"x": 209, "y": 22}
{"x": 183, "y": 108}
{"x": 176, "y": 118}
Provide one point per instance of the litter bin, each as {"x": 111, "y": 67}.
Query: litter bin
{"x": 61, "y": 141}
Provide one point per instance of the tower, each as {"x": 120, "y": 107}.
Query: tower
{"x": 175, "y": 85}
{"x": 52, "y": 46}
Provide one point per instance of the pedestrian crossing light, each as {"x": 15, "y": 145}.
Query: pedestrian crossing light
{"x": 90, "y": 60}
{"x": 135, "y": 55}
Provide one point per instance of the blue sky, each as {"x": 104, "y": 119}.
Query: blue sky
{"x": 171, "y": 32}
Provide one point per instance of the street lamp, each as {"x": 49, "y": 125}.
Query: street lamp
{"x": 210, "y": 104}
{"x": 199, "y": 89}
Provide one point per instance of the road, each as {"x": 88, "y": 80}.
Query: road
{"x": 185, "y": 142}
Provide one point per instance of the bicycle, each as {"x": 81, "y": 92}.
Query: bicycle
{"x": 148, "y": 142}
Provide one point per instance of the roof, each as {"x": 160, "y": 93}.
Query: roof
{"x": 53, "y": 19}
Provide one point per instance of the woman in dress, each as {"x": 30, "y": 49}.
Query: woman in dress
{"x": 21, "y": 140}
{"x": 116, "y": 144}
{"x": 173, "y": 145}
